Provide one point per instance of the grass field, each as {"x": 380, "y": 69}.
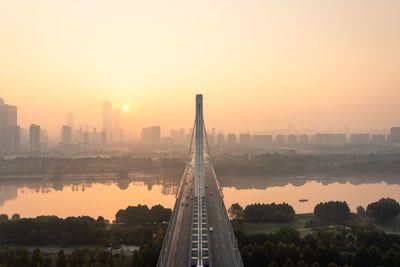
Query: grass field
{"x": 299, "y": 223}
{"x": 251, "y": 228}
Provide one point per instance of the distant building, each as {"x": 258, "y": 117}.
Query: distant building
{"x": 304, "y": 139}
{"x": 16, "y": 139}
{"x": 279, "y": 139}
{"x": 34, "y": 138}
{"x": 178, "y": 136}
{"x": 220, "y": 139}
{"x": 231, "y": 139}
{"x": 292, "y": 139}
{"x": 330, "y": 139}
{"x": 261, "y": 141}
{"x": 245, "y": 139}
{"x": 8, "y": 123}
{"x": 394, "y": 136}
{"x": 151, "y": 135}
{"x": 167, "y": 141}
{"x": 86, "y": 139}
{"x": 360, "y": 139}
{"x": 66, "y": 134}
{"x": 107, "y": 118}
{"x": 378, "y": 139}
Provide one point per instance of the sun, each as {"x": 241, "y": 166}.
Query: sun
{"x": 125, "y": 108}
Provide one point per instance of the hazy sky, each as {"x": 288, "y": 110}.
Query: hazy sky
{"x": 260, "y": 64}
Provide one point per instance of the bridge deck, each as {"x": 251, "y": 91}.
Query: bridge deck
{"x": 222, "y": 247}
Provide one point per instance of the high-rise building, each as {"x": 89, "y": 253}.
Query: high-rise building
{"x": 304, "y": 139}
{"x": 378, "y": 139}
{"x": 280, "y": 139}
{"x": 34, "y": 137}
{"x": 16, "y": 139}
{"x": 107, "y": 118}
{"x": 231, "y": 139}
{"x": 8, "y": 122}
{"x": 394, "y": 136}
{"x": 245, "y": 139}
{"x": 330, "y": 139}
{"x": 220, "y": 139}
{"x": 66, "y": 134}
{"x": 292, "y": 139}
{"x": 360, "y": 138}
{"x": 70, "y": 123}
{"x": 178, "y": 136}
{"x": 261, "y": 140}
{"x": 151, "y": 135}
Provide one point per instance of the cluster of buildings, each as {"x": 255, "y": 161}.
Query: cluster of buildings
{"x": 35, "y": 140}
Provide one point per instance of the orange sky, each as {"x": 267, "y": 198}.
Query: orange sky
{"x": 260, "y": 64}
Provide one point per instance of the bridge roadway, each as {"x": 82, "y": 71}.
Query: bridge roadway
{"x": 176, "y": 250}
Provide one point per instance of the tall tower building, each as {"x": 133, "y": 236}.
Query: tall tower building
{"x": 107, "y": 118}
{"x": 8, "y": 124}
{"x": 34, "y": 137}
{"x": 66, "y": 134}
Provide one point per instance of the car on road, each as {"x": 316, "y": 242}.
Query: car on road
{"x": 211, "y": 229}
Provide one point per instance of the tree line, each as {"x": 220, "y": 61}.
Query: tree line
{"x": 383, "y": 210}
{"x": 359, "y": 246}
{"x": 84, "y": 230}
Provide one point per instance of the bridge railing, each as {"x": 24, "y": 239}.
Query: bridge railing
{"x": 232, "y": 239}
{"x": 171, "y": 224}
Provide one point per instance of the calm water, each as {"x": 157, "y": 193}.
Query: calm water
{"x": 106, "y": 197}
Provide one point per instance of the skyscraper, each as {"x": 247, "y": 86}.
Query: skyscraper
{"x": 107, "y": 118}
{"x": 66, "y": 134}
{"x": 8, "y": 122}
{"x": 34, "y": 137}
{"x": 151, "y": 135}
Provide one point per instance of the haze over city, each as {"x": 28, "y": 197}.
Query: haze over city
{"x": 221, "y": 133}
{"x": 263, "y": 65}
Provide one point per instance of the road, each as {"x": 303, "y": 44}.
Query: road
{"x": 222, "y": 241}
{"x": 222, "y": 244}
{"x": 177, "y": 252}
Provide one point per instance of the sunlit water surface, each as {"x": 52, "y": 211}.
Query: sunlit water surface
{"x": 106, "y": 198}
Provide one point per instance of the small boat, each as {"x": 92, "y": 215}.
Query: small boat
{"x": 303, "y": 200}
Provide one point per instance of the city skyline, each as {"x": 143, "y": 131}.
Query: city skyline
{"x": 263, "y": 65}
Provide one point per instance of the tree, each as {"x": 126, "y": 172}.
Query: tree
{"x": 385, "y": 209}
{"x": 236, "y": 212}
{"x": 3, "y": 218}
{"x": 269, "y": 213}
{"x": 15, "y": 217}
{"x": 360, "y": 211}
{"x": 273, "y": 264}
{"x": 136, "y": 259}
{"x": 335, "y": 211}
{"x": 37, "y": 258}
{"x": 308, "y": 254}
{"x": 289, "y": 263}
{"x": 301, "y": 264}
{"x": 149, "y": 257}
{"x": 61, "y": 259}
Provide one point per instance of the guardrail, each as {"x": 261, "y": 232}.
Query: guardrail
{"x": 171, "y": 224}
{"x": 231, "y": 235}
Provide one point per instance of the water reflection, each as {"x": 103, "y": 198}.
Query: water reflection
{"x": 102, "y": 195}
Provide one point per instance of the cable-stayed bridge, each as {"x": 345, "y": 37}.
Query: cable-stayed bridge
{"x": 199, "y": 232}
